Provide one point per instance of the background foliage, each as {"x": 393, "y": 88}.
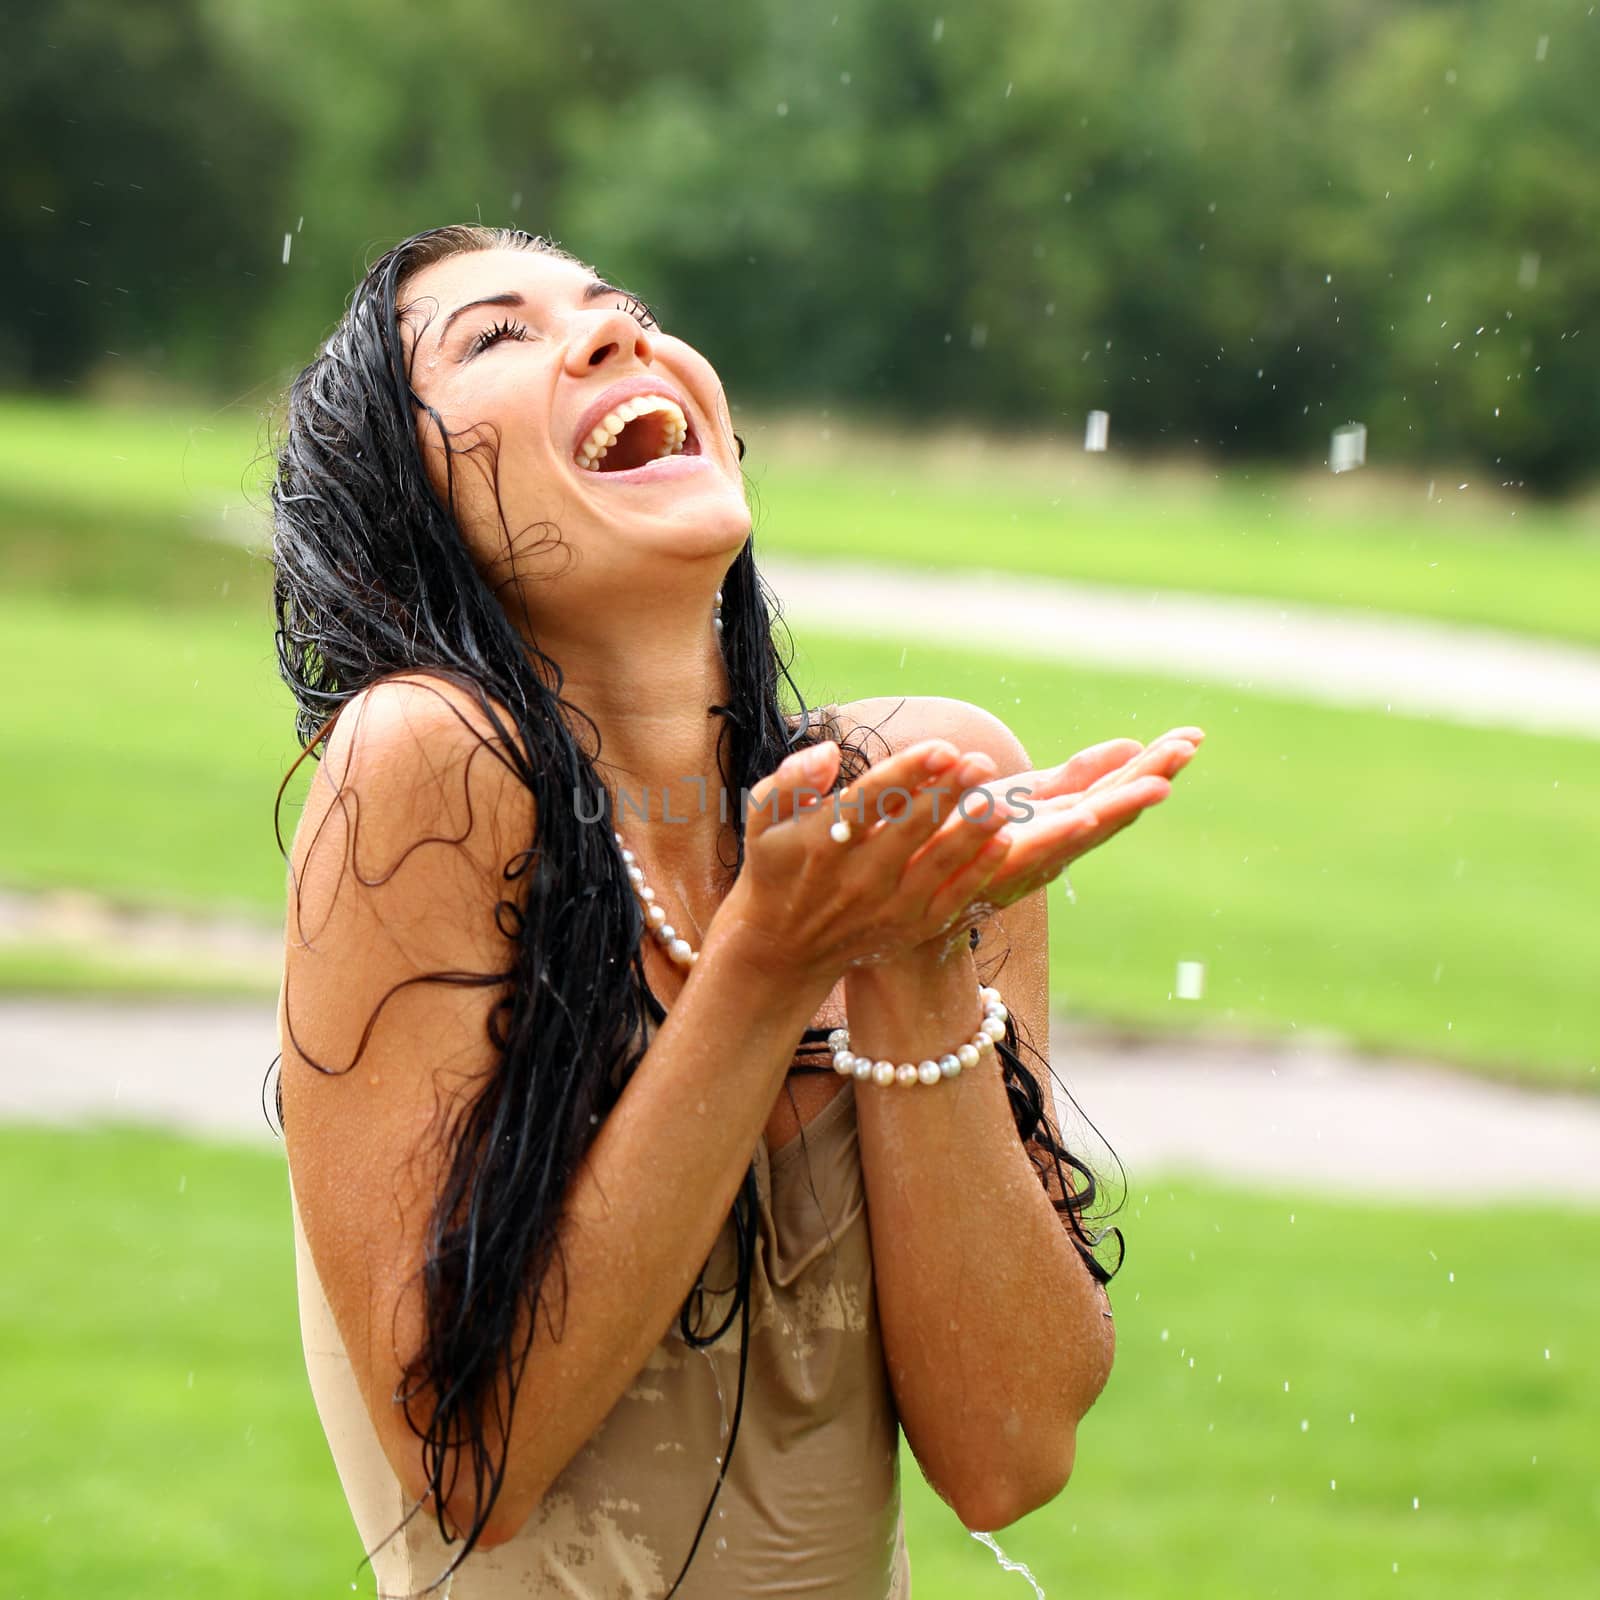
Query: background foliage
{"x": 1234, "y": 225}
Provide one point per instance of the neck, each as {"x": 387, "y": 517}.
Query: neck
{"x": 645, "y": 668}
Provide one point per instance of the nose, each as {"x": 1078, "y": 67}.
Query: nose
{"x": 609, "y": 336}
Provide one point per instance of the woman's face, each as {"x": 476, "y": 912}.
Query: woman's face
{"x": 557, "y": 356}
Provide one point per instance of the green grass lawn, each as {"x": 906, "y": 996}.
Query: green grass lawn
{"x": 86, "y": 491}
{"x": 1244, "y": 532}
{"x": 160, "y": 1437}
{"x": 1407, "y": 885}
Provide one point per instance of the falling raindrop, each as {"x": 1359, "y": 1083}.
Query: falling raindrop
{"x": 287, "y": 238}
{"x": 1348, "y": 447}
{"x": 1097, "y": 430}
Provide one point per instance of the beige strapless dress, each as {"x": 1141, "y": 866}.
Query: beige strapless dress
{"x": 811, "y": 1504}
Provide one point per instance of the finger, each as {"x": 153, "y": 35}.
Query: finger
{"x": 882, "y": 790}
{"x": 781, "y": 794}
{"x": 1073, "y": 775}
{"x": 1079, "y": 771}
{"x": 973, "y": 882}
{"x": 1164, "y": 759}
{"x": 958, "y": 840}
{"x": 1045, "y": 847}
{"x": 957, "y": 805}
{"x": 890, "y": 801}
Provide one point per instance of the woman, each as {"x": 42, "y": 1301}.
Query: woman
{"x": 545, "y": 1286}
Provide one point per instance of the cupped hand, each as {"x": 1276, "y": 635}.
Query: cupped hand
{"x": 815, "y": 905}
{"x": 1065, "y": 811}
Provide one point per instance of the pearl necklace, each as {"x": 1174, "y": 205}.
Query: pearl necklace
{"x": 681, "y": 952}
{"x": 884, "y": 1073}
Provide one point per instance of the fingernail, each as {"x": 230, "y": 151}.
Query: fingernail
{"x": 939, "y": 760}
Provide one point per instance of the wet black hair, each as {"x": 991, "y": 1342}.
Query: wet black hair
{"x": 371, "y": 581}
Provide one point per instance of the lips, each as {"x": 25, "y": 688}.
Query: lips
{"x": 630, "y": 389}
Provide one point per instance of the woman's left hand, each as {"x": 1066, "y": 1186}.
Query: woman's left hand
{"x": 1076, "y": 807}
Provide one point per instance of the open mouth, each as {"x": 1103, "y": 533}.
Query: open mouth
{"x": 638, "y": 433}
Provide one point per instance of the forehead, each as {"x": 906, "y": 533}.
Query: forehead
{"x": 429, "y": 295}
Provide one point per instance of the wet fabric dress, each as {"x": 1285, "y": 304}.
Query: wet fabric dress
{"x": 811, "y": 1504}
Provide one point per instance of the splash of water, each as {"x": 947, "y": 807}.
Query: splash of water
{"x": 1007, "y": 1564}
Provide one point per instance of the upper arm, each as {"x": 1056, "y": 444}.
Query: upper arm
{"x": 396, "y": 869}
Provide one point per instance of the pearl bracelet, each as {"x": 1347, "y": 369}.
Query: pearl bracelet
{"x": 968, "y": 1054}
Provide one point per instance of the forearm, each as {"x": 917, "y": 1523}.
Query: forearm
{"x": 993, "y": 1328}
{"x": 646, "y": 1206}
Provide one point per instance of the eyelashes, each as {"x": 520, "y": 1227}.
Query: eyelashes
{"x": 635, "y": 306}
{"x": 500, "y": 330}
{"x": 508, "y": 329}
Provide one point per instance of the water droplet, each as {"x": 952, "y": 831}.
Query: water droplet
{"x": 1305, "y": 1424}
{"x": 1347, "y": 448}
{"x": 1007, "y": 1564}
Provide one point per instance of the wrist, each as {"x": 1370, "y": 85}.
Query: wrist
{"x": 913, "y": 1008}
{"x": 744, "y": 943}
{"x": 938, "y": 967}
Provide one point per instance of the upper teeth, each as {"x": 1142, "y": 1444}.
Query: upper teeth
{"x": 612, "y": 424}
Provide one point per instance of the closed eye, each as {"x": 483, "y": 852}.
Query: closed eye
{"x": 500, "y": 330}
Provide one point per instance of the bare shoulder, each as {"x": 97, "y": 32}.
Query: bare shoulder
{"x": 904, "y": 719}
{"x": 418, "y": 759}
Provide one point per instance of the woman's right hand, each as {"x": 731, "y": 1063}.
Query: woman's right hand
{"x": 815, "y": 907}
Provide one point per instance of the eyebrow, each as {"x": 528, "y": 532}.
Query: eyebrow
{"x": 591, "y": 291}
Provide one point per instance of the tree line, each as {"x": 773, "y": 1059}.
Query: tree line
{"x": 1236, "y": 225}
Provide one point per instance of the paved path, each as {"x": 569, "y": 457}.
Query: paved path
{"x": 1349, "y": 658}
{"x": 1296, "y": 1117}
